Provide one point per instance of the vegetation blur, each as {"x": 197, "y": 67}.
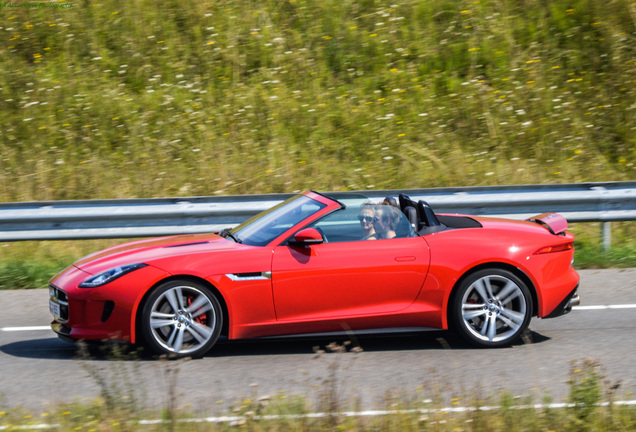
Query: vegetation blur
{"x": 119, "y": 99}
{"x": 594, "y": 403}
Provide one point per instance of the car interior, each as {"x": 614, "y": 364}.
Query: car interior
{"x": 416, "y": 219}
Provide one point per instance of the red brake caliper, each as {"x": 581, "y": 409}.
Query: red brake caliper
{"x": 201, "y": 319}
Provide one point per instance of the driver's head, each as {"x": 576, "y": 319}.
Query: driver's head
{"x": 367, "y": 212}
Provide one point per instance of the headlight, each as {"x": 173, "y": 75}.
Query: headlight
{"x": 109, "y": 275}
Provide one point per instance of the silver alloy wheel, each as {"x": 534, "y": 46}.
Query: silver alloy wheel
{"x": 183, "y": 320}
{"x": 494, "y": 308}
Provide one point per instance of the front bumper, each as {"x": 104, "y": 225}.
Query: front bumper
{"x": 76, "y": 317}
{"x": 99, "y": 313}
{"x": 565, "y": 307}
{"x": 62, "y": 331}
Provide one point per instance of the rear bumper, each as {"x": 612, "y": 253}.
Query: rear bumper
{"x": 571, "y": 300}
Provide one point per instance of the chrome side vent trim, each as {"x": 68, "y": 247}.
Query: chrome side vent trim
{"x": 251, "y": 276}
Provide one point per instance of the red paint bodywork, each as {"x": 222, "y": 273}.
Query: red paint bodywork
{"x": 405, "y": 282}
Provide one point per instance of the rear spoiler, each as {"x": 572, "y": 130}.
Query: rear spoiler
{"x": 553, "y": 222}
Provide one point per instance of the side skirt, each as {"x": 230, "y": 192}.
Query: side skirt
{"x": 345, "y": 333}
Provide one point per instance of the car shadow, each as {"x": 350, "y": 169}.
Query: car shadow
{"x": 420, "y": 340}
{"x": 52, "y": 348}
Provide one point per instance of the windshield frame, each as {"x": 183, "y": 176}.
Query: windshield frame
{"x": 253, "y": 232}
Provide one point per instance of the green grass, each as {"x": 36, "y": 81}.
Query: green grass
{"x": 30, "y": 265}
{"x": 121, "y": 99}
{"x": 588, "y": 256}
{"x": 26, "y": 274}
{"x": 589, "y": 252}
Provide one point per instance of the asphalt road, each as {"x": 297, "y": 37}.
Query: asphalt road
{"x": 38, "y": 370}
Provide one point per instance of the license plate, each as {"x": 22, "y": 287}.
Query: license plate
{"x": 54, "y": 308}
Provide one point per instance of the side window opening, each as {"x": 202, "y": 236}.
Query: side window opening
{"x": 363, "y": 220}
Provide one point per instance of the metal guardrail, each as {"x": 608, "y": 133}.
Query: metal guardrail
{"x": 64, "y": 220}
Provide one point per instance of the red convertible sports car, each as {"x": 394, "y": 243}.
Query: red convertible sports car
{"x": 322, "y": 264}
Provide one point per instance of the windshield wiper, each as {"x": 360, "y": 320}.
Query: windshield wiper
{"x": 225, "y": 233}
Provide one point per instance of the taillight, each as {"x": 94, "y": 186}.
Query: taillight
{"x": 557, "y": 248}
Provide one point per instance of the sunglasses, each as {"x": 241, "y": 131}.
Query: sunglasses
{"x": 365, "y": 218}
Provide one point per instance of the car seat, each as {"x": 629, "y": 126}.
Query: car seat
{"x": 428, "y": 221}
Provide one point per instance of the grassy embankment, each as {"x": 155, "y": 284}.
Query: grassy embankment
{"x": 128, "y": 99}
{"x": 131, "y": 99}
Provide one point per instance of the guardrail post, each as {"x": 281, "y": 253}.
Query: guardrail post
{"x": 606, "y": 228}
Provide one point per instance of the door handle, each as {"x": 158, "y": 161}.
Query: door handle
{"x": 404, "y": 258}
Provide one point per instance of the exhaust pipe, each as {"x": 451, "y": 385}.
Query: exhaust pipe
{"x": 575, "y": 300}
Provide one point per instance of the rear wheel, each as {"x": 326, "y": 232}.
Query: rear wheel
{"x": 181, "y": 318}
{"x": 491, "y": 308}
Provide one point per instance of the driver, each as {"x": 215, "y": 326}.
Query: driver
{"x": 367, "y": 213}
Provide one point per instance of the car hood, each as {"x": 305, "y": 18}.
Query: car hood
{"x": 151, "y": 249}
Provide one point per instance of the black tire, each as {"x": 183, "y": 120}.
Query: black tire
{"x": 491, "y": 308}
{"x": 181, "y": 318}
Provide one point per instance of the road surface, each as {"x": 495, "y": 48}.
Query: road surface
{"x": 39, "y": 371}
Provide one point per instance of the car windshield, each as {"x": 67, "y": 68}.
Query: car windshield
{"x": 261, "y": 229}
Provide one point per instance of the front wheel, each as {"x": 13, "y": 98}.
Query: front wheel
{"x": 491, "y": 308}
{"x": 181, "y": 318}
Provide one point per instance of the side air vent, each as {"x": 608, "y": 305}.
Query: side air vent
{"x": 108, "y": 309}
{"x": 251, "y": 276}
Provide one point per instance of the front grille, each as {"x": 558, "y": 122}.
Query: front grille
{"x": 59, "y": 298}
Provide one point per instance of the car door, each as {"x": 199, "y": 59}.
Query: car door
{"x": 348, "y": 279}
